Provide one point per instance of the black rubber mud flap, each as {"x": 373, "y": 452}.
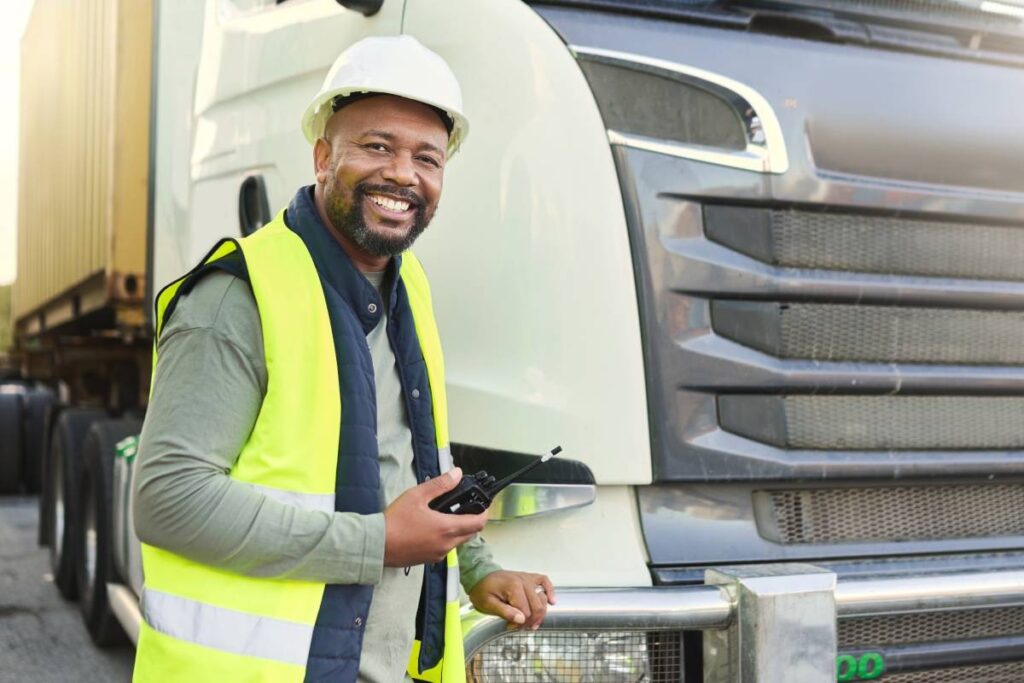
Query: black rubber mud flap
{"x": 10, "y": 442}
{"x": 35, "y": 405}
{"x": 94, "y": 566}
{"x": 64, "y": 470}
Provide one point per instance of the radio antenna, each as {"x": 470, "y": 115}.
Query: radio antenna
{"x": 518, "y": 473}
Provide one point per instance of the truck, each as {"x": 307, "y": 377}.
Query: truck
{"x": 757, "y": 265}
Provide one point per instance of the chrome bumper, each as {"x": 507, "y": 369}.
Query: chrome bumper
{"x": 752, "y": 611}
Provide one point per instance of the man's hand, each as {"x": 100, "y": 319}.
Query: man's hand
{"x": 415, "y": 534}
{"x": 516, "y": 597}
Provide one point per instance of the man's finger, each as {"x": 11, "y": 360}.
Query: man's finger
{"x": 459, "y": 540}
{"x": 442, "y": 484}
{"x": 538, "y": 604}
{"x": 464, "y": 525}
{"x": 504, "y": 610}
{"x": 549, "y": 588}
{"x": 515, "y": 595}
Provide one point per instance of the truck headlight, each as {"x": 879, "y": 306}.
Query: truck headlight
{"x": 578, "y": 657}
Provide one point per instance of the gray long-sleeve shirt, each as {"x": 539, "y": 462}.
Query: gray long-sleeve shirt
{"x": 208, "y": 387}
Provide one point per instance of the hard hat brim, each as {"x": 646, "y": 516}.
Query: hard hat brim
{"x": 319, "y": 112}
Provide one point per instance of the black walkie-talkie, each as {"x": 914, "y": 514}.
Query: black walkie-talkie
{"x": 475, "y": 492}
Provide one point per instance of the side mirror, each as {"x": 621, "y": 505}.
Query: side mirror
{"x": 367, "y": 7}
{"x": 253, "y": 207}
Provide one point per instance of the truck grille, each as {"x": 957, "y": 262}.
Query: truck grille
{"x": 827, "y": 332}
{"x": 883, "y": 334}
{"x": 870, "y": 243}
{"x": 897, "y": 513}
{"x": 532, "y": 657}
{"x": 877, "y": 422}
{"x": 901, "y": 629}
{"x": 1012, "y": 672}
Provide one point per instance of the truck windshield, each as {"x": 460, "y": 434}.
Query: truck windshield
{"x": 985, "y": 29}
{"x": 1004, "y": 12}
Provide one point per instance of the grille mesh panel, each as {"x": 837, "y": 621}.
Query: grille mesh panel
{"x": 901, "y": 629}
{"x": 829, "y": 332}
{"x": 992, "y": 673}
{"x": 870, "y": 244}
{"x": 899, "y": 513}
{"x": 538, "y": 656}
{"x": 877, "y": 422}
{"x": 642, "y": 103}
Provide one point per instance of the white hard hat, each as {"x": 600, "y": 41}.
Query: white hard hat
{"x": 392, "y": 65}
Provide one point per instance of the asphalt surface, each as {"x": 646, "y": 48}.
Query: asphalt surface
{"x": 42, "y": 639}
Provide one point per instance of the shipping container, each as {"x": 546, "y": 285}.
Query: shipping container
{"x": 84, "y": 165}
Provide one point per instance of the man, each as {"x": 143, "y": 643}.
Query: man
{"x": 278, "y": 546}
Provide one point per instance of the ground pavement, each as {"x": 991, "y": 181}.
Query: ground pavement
{"x": 42, "y": 639}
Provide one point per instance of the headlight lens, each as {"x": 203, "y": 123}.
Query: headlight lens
{"x": 577, "y": 657}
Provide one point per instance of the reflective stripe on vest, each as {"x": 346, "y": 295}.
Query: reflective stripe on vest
{"x": 225, "y": 629}
{"x": 444, "y": 457}
{"x": 206, "y": 624}
{"x": 324, "y": 502}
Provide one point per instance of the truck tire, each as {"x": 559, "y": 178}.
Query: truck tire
{"x": 94, "y": 566}
{"x": 35, "y": 403}
{"x": 46, "y": 492}
{"x": 64, "y": 467}
{"x": 10, "y": 442}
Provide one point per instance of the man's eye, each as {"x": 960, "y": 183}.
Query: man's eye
{"x": 432, "y": 161}
{"x": 376, "y": 146}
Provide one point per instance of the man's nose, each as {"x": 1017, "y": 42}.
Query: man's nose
{"x": 400, "y": 170}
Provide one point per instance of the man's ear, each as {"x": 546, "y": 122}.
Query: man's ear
{"x": 321, "y": 160}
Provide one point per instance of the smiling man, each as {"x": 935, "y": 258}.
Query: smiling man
{"x": 297, "y": 428}
{"x": 377, "y": 203}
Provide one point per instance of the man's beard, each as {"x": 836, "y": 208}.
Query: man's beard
{"x": 349, "y": 218}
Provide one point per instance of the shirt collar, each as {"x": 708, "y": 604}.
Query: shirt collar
{"x": 335, "y": 268}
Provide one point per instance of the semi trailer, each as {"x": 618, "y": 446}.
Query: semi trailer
{"x": 757, "y": 265}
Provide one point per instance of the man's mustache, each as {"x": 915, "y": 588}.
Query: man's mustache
{"x": 392, "y": 190}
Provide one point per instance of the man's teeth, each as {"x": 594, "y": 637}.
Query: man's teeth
{"x": 389, "y": 203}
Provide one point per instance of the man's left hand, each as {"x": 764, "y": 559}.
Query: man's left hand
{"x": 520, "y": 598}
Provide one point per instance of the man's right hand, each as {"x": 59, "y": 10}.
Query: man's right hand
{"x": 415, "y": 534}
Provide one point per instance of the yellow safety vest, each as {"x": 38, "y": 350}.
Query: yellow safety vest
{"x": 201, "y": 623}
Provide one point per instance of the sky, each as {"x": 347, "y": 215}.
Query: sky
{"x": 13, "y": 15}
